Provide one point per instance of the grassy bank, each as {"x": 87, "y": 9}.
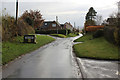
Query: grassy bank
{"x": 11, "y": 50}
{"x": 97, "y": 48}
{"x": 84, "y": 38}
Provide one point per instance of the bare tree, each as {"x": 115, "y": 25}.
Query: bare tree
{"x": 33, "y": 18}
{"x": 99, "y": 19}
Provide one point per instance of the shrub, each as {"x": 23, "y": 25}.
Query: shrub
{"x": 116, "y": 35}
{"x": 23, "y": 28}
{"x": 8, "y": 28}
{"x": 11, "y": 30}
{"x": 109, "y": 34}
{"x": 98, "y": 33}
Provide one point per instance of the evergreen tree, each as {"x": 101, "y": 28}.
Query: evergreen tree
{"x": 91, "y": 14}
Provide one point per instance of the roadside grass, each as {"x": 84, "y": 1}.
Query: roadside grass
{"x": 97, "y": 48}
{"x": 58, "y": 35}
{"x": 64, "y": 36}
{"x": 71, "y": 35}
{"x": 12, "y": 50}
{"x": 84, "y": 38}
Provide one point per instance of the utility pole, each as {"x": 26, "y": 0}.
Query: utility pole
{"x": 16, "y": 11}
{"x": 65, "y": 29}
{"x": 74, "y": 25}
{"x": 57, "y": 22}
{"x": 78, "y": 28}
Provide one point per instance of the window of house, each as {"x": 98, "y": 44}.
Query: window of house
{"x": 45, "y": 24}
{"x": 53, "y": 25}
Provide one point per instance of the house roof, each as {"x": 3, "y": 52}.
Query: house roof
{"x": 62, "y": 25}
{"x": 57, "y": 23}
{"x": 47, "y": 23}
{"x": 111, "y": 19}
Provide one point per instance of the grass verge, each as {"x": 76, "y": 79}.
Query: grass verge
{"x": 11, "y": 50}
{"x": 71, "y": 35}
{"x": 64, "y": 36}
{"x": 84, "y": 38}
{"x": 58, "y": 35}
{"x": 97, "y": 48}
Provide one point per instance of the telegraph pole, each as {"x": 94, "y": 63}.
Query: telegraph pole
{"x": 79, "y": 29}
{"x": 16, "y": 11}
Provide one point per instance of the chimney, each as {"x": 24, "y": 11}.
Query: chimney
{"x": 74, "y": 25}
{"x": 56, "y": 18}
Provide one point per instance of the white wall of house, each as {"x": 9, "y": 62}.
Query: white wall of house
{"x": 69, "y": 26}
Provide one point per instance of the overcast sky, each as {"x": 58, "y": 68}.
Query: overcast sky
{"x": 66, "y": 10}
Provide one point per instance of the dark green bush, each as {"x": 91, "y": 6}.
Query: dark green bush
{"x": 98, "y": 33}
{"x": 109, "y": 34}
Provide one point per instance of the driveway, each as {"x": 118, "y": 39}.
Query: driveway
{"x": 54, "y": 60}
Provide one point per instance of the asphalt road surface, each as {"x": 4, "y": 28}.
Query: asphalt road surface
{"x": 54, "y": 60}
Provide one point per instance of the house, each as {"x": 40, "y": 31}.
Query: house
{"x": 68, "y": 26}
{"x": 50, "y": 25}
{"x": 93, "y": 28}
{"x": 112, "y": 21}
{"x": 54, "y": 25}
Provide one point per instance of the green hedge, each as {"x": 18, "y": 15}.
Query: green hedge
{"x": 112, "y": 34}
{"x": 52, "y": 32}
{"x": 98, "y": 34}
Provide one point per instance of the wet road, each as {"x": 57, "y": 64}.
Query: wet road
{"x": 54, "y": 60}
{"x": 98, "y": 68}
